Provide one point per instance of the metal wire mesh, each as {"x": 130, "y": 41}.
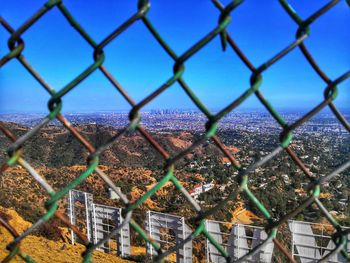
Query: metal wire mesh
{"x": 330, "y": 92}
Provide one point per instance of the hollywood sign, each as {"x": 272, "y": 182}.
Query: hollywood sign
{"x": 310, "y": 242}
{"x": 98, "y": 221}
{"x": 169, "y": 230}
{"x": 238, "y": 241}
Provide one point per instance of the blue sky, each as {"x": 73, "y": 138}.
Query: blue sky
{"x": 260, "y": 28}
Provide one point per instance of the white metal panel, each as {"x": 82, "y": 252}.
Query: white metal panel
{"x": 157, "y": 222}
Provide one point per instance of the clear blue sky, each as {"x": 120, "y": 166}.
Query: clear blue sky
{"x": 260, "y": 28}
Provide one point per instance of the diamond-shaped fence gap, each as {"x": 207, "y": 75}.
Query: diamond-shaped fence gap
{"x": 99, "y": 98}
{"x": 53, "y": 32}
{"x": 249, "y": 27}
{"x": 105, "y": 22}
{"x": 141, "y": 66}
{"x": 182, "y": 33}
{"x": 205, "y": 79}
{"x": 31, "y": 93}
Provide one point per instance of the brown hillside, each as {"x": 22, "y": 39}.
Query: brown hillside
{"x": 44, "y": 250}
{"x": 54, "y": 146}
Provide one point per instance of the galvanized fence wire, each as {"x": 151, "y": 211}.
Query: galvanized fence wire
{"x": 16, "y": 155}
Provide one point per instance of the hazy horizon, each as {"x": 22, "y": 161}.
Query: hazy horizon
{"x": 152, "y": 110}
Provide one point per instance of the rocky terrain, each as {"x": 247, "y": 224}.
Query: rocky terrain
{"x": 133, "y": 164}
{"x": 44, "y": 250}
{"x": 54, "y": 146}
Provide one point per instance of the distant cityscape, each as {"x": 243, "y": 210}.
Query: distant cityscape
{"x": 192, "y": 120}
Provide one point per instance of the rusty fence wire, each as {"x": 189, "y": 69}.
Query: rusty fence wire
{"x": 330, "y": 92}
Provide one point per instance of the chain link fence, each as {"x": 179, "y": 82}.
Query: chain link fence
{"x": 330, "y": 92}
